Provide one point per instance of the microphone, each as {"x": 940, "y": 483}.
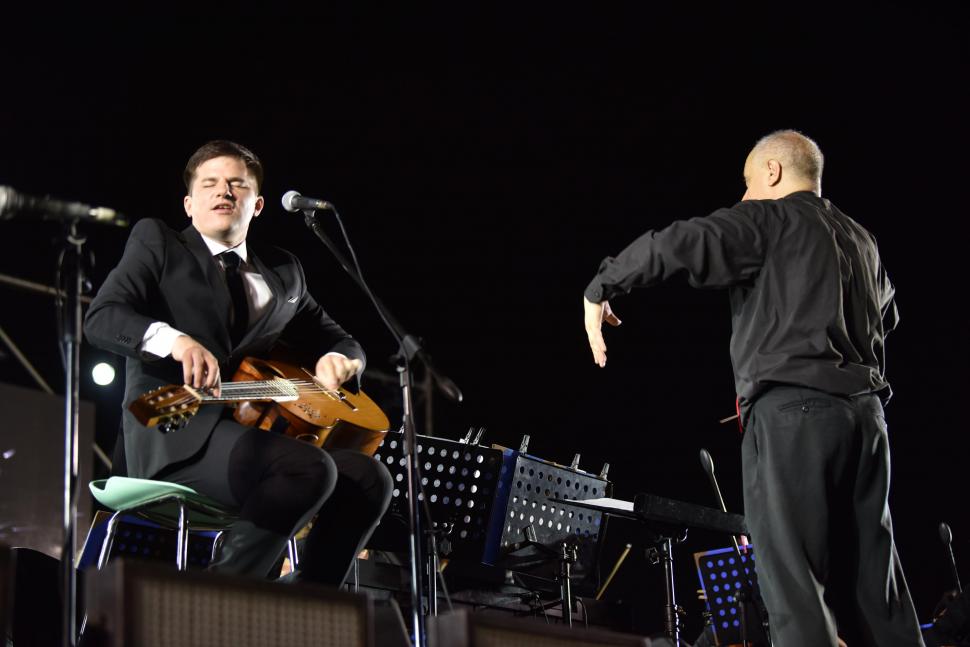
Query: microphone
{"x": 12, "y": 203}
{"x": 707, "y": 462}
{"x": 293, "y": 201}
{"x": 946, "y": 535}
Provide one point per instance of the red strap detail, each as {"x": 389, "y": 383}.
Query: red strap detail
{"x": 743, "y": 539}
{"x": 737, "y": 407}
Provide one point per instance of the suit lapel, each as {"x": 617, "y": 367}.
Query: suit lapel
{"x": 276, "y": 288}
{"x": 221, "y": 301}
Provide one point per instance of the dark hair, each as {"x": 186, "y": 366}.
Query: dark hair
{"x": 222, "y": 148}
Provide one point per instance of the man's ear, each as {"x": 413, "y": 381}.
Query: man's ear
{"x": 774, "y": 172}
{"x": 260, "y": 203}
{"x": 187, "y": 205}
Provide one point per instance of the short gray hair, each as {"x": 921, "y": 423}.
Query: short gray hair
{"x": 795, "y": 151}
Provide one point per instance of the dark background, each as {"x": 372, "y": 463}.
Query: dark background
{"x": 484, "y": 163}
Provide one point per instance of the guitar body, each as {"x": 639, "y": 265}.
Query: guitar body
{"x": 328, "y": 419}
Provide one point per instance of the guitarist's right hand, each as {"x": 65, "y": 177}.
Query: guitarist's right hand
{"x": 200, "y": 369}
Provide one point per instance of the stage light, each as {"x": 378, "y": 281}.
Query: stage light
{"x": 103, "y": 374}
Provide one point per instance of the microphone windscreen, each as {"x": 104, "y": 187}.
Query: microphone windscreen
{"x": 288, "y": 199}
{"x": 707, "y": 462}
{"x": 946, "y": 535}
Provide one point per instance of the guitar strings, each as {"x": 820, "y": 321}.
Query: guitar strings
{"x": 268, "y": 388}
{"x": 253, "y": 390}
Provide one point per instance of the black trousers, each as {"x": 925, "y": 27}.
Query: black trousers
{"x": 278, "y": 484}
{"x": 816, "y": 482}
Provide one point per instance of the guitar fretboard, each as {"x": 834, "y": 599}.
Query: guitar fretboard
{"x": 277, "y": 390}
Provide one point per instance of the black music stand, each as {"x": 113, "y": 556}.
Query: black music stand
{"x": 665, "y": 522}
{"x": 460, "y": 481}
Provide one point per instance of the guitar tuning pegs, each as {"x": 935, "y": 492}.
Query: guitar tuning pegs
{"x": 175, "y": 423}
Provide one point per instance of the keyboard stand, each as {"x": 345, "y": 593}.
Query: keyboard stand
{"x": 666, "y": 522}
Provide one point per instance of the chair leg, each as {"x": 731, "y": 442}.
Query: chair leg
{"x": 294, "y": 556}
{"x": 182, "y": 558}
{"x": 109, "y": 539}
{"x": 216, "y": 541}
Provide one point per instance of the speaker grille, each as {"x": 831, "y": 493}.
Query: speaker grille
{"x": 463, "y": 629}
{"x": 163, "y": 608}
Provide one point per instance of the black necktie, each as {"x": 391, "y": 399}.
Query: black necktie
{"x": 239, "y": 317}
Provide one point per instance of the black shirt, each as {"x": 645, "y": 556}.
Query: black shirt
{"x": 810, "y": 301}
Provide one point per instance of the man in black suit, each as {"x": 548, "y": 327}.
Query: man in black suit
{"x": 187, "y": 307}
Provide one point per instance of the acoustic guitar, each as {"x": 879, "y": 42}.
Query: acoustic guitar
{"x": 275, "y": 396}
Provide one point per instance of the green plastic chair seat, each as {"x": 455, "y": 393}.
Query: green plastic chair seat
{"x": 122, "y": 493}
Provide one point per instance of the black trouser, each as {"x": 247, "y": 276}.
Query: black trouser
{"x": 278, "y": 484}
{"x": 816, "y": 482}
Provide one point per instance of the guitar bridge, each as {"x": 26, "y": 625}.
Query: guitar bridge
{"x": 333, "y": 395}
{"x": 343, "y": 398}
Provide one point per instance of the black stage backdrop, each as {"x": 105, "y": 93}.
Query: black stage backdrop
{"x": 484, "y": 163}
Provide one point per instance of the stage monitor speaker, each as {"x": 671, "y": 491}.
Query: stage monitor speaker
{"x": 148, "y": 605}
{"x": 32, "y": 478}
{"x": 464, "y": 629}
{"x": 30, "y": 598}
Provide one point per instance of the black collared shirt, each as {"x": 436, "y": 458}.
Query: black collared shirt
{"x": 811, "y": 304}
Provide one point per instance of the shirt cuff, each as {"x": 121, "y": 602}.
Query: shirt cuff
{"x": 159, "y": 339}
{"x": 594, "y": 292}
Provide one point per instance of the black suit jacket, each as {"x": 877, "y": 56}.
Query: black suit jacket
{"x": 172, "y": 277}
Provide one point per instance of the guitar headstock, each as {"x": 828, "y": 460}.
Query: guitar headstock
{"x": 169, "y": 407}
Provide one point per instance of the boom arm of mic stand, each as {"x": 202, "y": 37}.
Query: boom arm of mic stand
{"x": 409, "y": 345}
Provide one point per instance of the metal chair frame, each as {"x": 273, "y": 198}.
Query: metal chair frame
{"x": 184, "y": 504}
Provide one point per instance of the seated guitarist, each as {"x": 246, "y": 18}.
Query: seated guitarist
{"x": 186, "y": 307}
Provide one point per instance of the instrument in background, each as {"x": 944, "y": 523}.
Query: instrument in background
{"x": 278, "y": 397}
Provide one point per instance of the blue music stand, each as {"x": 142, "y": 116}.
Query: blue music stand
{"x": 722, "y": 574}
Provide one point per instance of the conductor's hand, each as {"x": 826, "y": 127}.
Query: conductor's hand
{"x": 333, "y": 369}
{"x": 200, "y": 368}
{"x": 594, "y": 316}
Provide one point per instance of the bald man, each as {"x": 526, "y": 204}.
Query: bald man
{"x": 811, "y": 307}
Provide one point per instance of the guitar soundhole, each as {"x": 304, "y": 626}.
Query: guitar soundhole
{"x": 310, "y": 438}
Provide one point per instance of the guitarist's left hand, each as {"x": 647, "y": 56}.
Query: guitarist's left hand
{"x": 333, "y": 369}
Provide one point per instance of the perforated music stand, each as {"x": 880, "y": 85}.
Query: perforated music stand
{"x": 722, "y": 574}
{"x": 459, "y": 480}
{"x": 532, "y": 492}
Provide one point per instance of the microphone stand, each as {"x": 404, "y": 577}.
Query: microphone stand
{"x": 71, "y": 331}
{"x": 946, "y": 536}
{"x": 747, "y": 592}
{"x": 409, "y": 348}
